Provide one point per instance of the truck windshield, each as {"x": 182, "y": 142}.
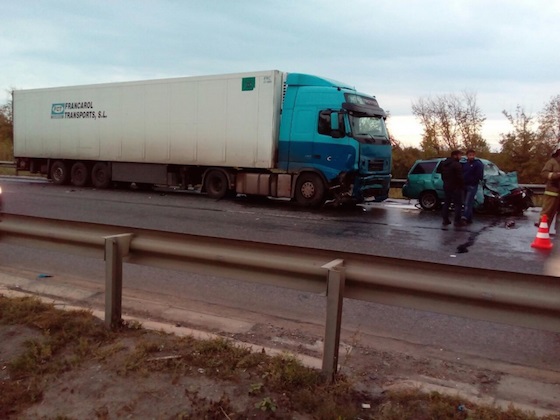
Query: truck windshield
{"x": 368, "y": 127}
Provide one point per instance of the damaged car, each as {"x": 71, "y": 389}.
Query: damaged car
{"x": 498, "y": 193}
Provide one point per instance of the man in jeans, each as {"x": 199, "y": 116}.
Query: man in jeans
{"x": 452, "y": 177}
{"x": 473, "y": 173}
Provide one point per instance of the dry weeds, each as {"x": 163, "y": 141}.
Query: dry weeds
{"x": 67, "y": 365}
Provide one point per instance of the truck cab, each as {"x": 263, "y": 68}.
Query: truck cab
{"x": 332, "y": 135}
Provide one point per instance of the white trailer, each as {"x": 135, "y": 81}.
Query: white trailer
{"x": 229, "y": 121}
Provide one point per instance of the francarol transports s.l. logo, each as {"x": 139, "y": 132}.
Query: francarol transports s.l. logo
{"x": 57, "y": 110}
{"x": 76, "y": 110}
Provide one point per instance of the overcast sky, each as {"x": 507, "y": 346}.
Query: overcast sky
{"x": 506, "y": 52}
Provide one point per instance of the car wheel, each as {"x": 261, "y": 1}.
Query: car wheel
{"x": 429, "y": 200}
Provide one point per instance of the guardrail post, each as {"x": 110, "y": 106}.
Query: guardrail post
{"x": 335, "y": 296}
{"x": 116, "y": 247}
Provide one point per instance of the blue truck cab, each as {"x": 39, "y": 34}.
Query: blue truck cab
{"x": 334, "y": 135}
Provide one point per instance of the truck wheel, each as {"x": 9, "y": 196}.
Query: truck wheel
{"x": 310, "y": 190}
{"x": 216, "y": 184}
{"x": 429, "y": 200}
{"x": 101, "y": 175}
{"x": 79, "y": 174}
{"x": 59, "y": 172}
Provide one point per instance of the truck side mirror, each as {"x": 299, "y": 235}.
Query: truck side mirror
{"x": 336, "y": 131}
{"x": 334, "y": 121}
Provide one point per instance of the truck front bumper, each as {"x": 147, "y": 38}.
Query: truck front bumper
{"x": 373, "y": 187}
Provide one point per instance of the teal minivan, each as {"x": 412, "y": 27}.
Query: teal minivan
{"x": 498, "y": 193}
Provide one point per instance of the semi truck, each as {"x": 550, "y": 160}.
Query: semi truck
{"x": 264, "y": 133}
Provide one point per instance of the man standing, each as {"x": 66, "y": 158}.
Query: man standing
{"x": 452, "y": 176}
{"x": 551, "y": 173}
{"x": 473, "y": 173}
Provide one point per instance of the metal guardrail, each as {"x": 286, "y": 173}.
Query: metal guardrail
{"x": 525, "y": 300}
{"x": 537, "y": 189}
{"x": 397, "y": 183}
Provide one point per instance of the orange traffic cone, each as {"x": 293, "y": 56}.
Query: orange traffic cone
{"x": 542, "y": 241}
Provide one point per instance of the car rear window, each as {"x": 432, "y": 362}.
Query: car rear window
{"x": 424, "y": 168}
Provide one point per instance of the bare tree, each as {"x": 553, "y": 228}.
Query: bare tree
{"x": 445, "y": 110}
{"x": 6, "y": 131}
{"x": 519, "y": 146}
{"x": 549, "y": 122}
{"x": 423, "y": 109}
{"x": 430, "y": 145}
{"x": 469, "y": 120}
{"x": 450, "y": 122}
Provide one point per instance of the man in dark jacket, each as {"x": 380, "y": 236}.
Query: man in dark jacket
{"x": 453, "y": 184}
{"x": 473, "y": 173}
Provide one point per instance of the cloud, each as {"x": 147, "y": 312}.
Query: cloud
{"x": 398, "y": 50}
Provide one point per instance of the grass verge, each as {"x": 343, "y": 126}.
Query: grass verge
{"x": 62, "y": 344}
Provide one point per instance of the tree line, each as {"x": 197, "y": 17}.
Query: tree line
{"x": 6, "y": 132}
{"x": 455, "y": 122}
{"x": 452, "y": 121}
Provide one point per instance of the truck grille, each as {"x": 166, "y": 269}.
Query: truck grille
{"x": 375, "y": 165}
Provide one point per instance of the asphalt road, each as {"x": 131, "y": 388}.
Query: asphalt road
{"x": 394, "y": 228}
